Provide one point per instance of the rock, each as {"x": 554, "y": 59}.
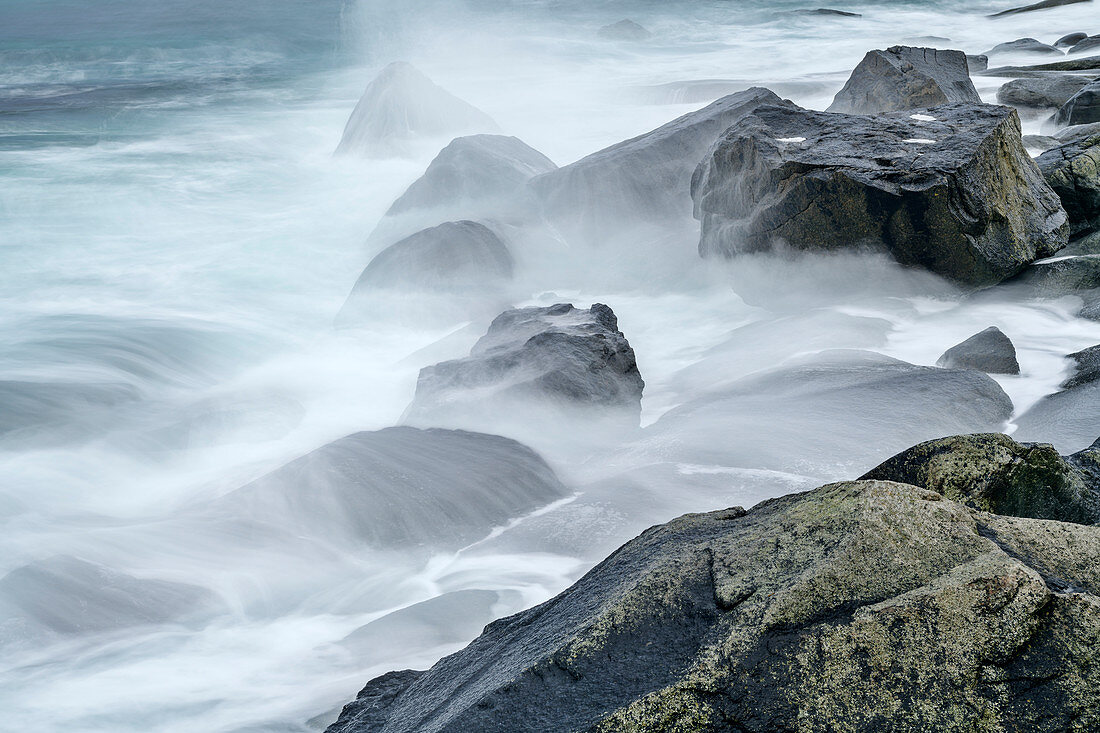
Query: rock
{"x": 457, "y": 270}
{"x": 989, "y": 351}
{"x": 555, "y": 361}
{"x": 1066, "y": 418}
{"x": 1074, "y": 133}
{"x": 993, "y": 473}
{"x": 1085, "y": 44}
{"x": 624, "y": 30}
{"x": 1087, "y": 367}
{"x": 907, "y": 183}
{"x": 1043, "y": 91}
{"x": 1024, "y": 45}
{"x": 1043, "y": 5}
{"x": 903, "y": 77}
{"x": 1090, "y": 63}
{"x": 827, "y": 11}
{"x": 1073, "y": 171}
{"x": 977, "y": 62}
{"x": 67, "y": 596}
{"x": 1040, "y": 143}
{"x": 473, "y": 170}
{"x": 1063, "y": 276}
{"x": 400, "y": 488}
{"x": 1083, "y": 108}
{"x": 1070, "y": 39}
{"x": 402, "y": 105}
{"x": 859, "y": 606}
{"x": 845, "y": 410}
{"x": 645, "y": 180}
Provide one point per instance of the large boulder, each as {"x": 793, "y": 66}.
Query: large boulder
{"x": 644, "y": 180}
{"x": 988, "y": 351}
{"x": 402, "y": 105}
{"x": 1041, "y": 91}
{"x": 1083, "y": 108}
{"x": 904, "y": 77}
{"x": 557, "y": 360}
{"x": 1024, "y": 45}
{"x": 844, "y": 410}
{"x": 400, "y": 489}
{"x": 861, "y": 606}
{"x": 952, "y": 191}
{"x": 471, "y": 171}
{"x": 994, "y": 473}
{"x": 1073, "y": 171}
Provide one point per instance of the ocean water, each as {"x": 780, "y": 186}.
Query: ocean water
{"x": 177, "y": 237}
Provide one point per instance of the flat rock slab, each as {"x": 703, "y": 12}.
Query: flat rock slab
{"x": 950, "y": 189}
{"x": 831, "y": 606}
{"x": 905, "y": 77}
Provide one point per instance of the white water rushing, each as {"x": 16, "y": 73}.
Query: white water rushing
{"x": 176, "y": 238}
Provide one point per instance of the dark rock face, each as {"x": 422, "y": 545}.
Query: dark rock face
{"x": 1083, "y": 108}
{"x": 645, "y": 179}
{"x": 1087, "y": 367}
{"x": 1070, "y": 39}
{"x": 401, "y": 105}
{"x": 453, "y": 255}
{"x": 1073, "y": 171}
{"x": 624, "y": 30}
{"x": 1063, "y": 276}
{"x": 989, "y": 351}
{"x": 1043, "y": 5}
{"x": 956, "y": 194}
{"x": 557, "y": 358}
{"x": 848, "y": 606}
{"x": 977, "y": 62}
{"x": 903, "y": 77}
{"x": 846, "y": 410}
{"x": 1024, "y": 45}
{"x": 1041, "y": 91}
{"x": 64, "y": 595}
{"x": 473, "y": 169}
{"x": 402, "y": 488}
{"x": 994, "y": 473}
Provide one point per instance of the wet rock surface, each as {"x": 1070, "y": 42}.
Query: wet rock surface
{"x": 834, "y": 606}
{"x": 1048, "y": 91}
{"x": 951, "y": 190}
{"x": 1024, "y": 45}
{"x": 904, "y": 77}
{"x": 1073, "y": 171}
{"x": 994, "y": 473}
{"x": 1083, "y": 108}
{"x": 989, "y": 351}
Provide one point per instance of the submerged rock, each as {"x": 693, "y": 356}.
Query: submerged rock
{"x": 1041, "y": 91}
{"x": 860, "y": 606}
{"x": 644, "y": 180}
{"x": 1083, "y": 108}
{"x": 827, "y": 11}
{"x": 402, "y": 105}
{"x": 1085, "y": 44}
{"x": 624, "y": 30}
{"x": 472, "y": 170}
{"x": 1073, "y": 171}
{"x": 908, "y": 183}
{"x": 401, "y": 488}
{"x": 64, "y": 595}
{"x": 903, "y": 77}
{"x": 989, "y": 351}
{"x": 845, "y": 410}
{"x": 1070, "y": 39}
{"x": 1024, "y": 45}
{"x": 994, "y": 473}
{"x": 558, "y": 360}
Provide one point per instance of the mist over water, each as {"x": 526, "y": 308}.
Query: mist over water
{"x": 177, "y": 239}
